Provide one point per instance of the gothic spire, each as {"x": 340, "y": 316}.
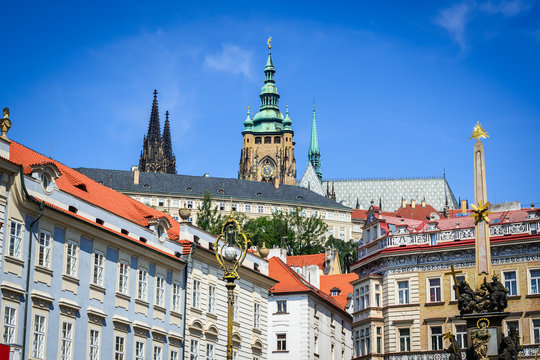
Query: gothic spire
{"x": 167, "y": 147}
{"x": 269, "y": 93}
{"x": 314, "y": 153}
{"x": 154, "y": 128}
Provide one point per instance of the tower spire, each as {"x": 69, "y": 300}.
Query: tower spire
{"x": 169, "y": 158}
{"x": 154, "y": 128}
{"x": 314, "y": 153}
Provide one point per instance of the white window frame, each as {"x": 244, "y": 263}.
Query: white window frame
{"x": 515, "y": 281}
{"x": 94, "y": 344}
{"x": 507, "y": 328}
{"x": 281, "y": 342}
{"x": 44, "y": 249}
{"x": 174, "y": 354}
{"x": 248, "y": 207}
{"x": 39, "y": 336}
{"x": 72, "y": 258}
{"x": 535, "y": 331}
{"x": 260, "y": 209}
{"x": 210, "y": 350}
{"x": 281, "y": 307}
{"x": 196, "y": 293}
{"x": 235, "y": 307}
{"x": 176, "y": 289}
{"x": 212, "y": 299}
{"x": 16, "y": 231}
{"x": 406, "y": 292}
{"x": 9, "y": 327}
{"x": 530, "y": 281}
{"x": 461, "y": 335}
{"x": 160, "y": 290}
{"x": 256, "y": 315}
{"x": 429, "y": 289}
{"x": 399, "y": 337}
{"x": 436, "y": 337}
{"x": 194, "y": 349}
{"x": 98, "y": 270}
{"x": 119, "y": 347}
{"x": 142, "y": 284}
{"x": 139, "y": 349}
{"x": 157, "y": 352}
{"x": 66, "y": 340}
{"x": 123, "y": 277}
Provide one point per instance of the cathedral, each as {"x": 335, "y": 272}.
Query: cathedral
{"x": 268, "y": 147}
{"x": 157, "y": 155}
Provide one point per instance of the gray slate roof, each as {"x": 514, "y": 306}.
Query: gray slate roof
{"x": 311, "y": 181}
{"x": 219, "y": 188}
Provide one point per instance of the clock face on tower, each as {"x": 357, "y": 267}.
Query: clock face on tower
{"x": 267, "y": 171}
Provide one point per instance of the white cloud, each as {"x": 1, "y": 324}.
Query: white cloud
{"x": 233, "y": 59}
{"x": 454, "y": 20}
{"x": 505, "y": 7}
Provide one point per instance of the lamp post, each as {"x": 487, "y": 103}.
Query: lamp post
{"x": 231, "y": 248}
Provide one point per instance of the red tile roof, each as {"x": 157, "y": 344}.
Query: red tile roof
{"x": 359, "y": 214}
{"x": 341, "y": 282}
{"x": 291, "y": 282}
{"x": 302, "y": 260}
{"x": 99, "y": 195}
{"x": 416, "y": 213}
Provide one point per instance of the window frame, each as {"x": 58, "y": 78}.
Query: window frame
{"x": 41, "y": 333}
{"x": 281, "y": 341}
{"x": 159, "y": 298}
{"x": 406, "y": 291}
{"x": 434, "y": 293}
{"x": 515, "y": 281}
{"x": 142, "y": 284}
{"x": 281, "y": 306}
{"x": 196, "y": 294}
{"x": 92, "y": 346}
{"x": 10, "y": 327}
{"x": 176, "y": 297}
{"x": 139, "y": 353}
{"x": 98, "y": 277}
{"x": 72, "y": 259}
{"x": 530, "y": 281}
{"x": 407, "y": 338}
{"x": 15, "y": 239}
{"x": 535, "y": 330}
{"x": 194, "y": 353}
{"x": 436, "y": 339}
{"x": 123, "y": 277}
{"x": 66, "y": 353}
{"x": 119, "y": 354}
{"x": 211, "y": 299}
{"x": 44, "y": 249}
{"x": 256, "y": 315}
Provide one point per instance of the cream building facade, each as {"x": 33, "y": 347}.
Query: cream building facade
{"x": 403, "y": 302}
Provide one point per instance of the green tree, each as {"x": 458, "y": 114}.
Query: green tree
{"x": 208, "y": 218}
{"x": 347, "y": 251}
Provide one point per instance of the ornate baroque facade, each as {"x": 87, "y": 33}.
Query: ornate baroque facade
{"x": 268, "y": 147}
{"x": 157, "y": 155}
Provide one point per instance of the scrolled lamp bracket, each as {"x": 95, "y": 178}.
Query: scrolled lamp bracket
{"x": 227, "y": 244}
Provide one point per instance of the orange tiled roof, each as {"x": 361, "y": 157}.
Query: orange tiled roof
{"x": 416, "y": 213}
{"x": 301, "y": 260}
{"x": 290, "y": 282}
{"x": 106, "y": 198}
{"x": 341, "y": 282}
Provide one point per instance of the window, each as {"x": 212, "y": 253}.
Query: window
{"x": 434, "y": 290}
{"x": 234, "y": 207}
{"x": 510, "y": 282}
{"x": 281, "y": 306}
{"x": 536, "y": 331}
{"x": 9, "y": 325}
{"x": 157, "y": 353}
{"x": 209, "y": 351}
{"x": 44, "y": 249}
{"x": 365, "y": 342}
{"x": 15, "y": 239}
{"x": 267, "y": 140}
{"x": 356, "y": 299}
{"x": 459, "y": 278}
{"x": 341, "y": 217}
{"x": 235, "y": 307}
{"x": 66, "y": 341}
{"x": 260, "y": 209}
{"x": 123, "y": 277}
{"x": 342, "y": 233}
{"x": 379, "y": 339}
{"x": 461, "y": 336}
{"x": 196, "y": 298}
{"x": 211, "y": 299}
{"x": 330, "y": 215}
{"x": 38, "y": 343}
{"x": 364, "y": 297}
{"x": 175, "y": 203}
{"x": 248, "y": 208}
{"x": 404, "y": 339}
{"x": 161, "y": 202}
{"x": 281, "y": 342}
{"x": 356, "y": 228}
{"x": 513, "y": 324}
{"x": 258, "y": 140}
{"x": 174, "y": 355}
{"x": 93, "y": 351}
{"x": 433, "y": 238}
{"x": 436, "y": 338}
{"x": 71, "y": 258}
{"x": 334, "y": 292}
{"x": 98, "y": 268}
{"x": 535, "y": 282}
{"x": 119, "y": 348}
{"x": 194, "y": 350}
{"x": 403, "y": 292}
{"x": 277, "y": 140}
{"x": 139, "y": 350}
{"x": 256, "y": 315}
{"x": 160, "y": 290}
{"x": 142, "y": 284}
{"x": 357, "y": 343}
{"x": 176, "y": 296}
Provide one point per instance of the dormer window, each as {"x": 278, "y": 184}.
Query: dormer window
{"x": 335, "y": 292}
{"x": 46, "y": 182}
{"x": 47, "y": 174}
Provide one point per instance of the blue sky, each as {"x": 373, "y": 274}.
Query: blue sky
{"x": 398, "y": 85}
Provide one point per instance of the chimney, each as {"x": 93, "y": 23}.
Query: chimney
{"x": 423, "y": 203}
{"x": 403, "y": 203}
{"x": 464, "y": 206}
{"x": 136, "y": 176}
{"x": 413, "y": 203}
{"x": 276, "y": 183}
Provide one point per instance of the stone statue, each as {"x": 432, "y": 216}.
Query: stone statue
{"x": 509, "y": 347}
{"x": 498, "y": 294}
{"x": 453, "y": 349}
{"x": 466, "y": 302}
{"x": 5, "y": 123}
{"x": 482, "y": 299}
{"x": 480, "y": 338}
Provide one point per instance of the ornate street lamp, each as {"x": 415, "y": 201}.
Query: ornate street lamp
{"x": 231, "y": 248}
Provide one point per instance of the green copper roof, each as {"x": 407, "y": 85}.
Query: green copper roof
{"x": 287, "y": 122}
{"x": 314, "y": 153}
{"x": 248, "y": 123}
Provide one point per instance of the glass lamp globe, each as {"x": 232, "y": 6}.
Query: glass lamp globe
{"x": 229, "y": 253}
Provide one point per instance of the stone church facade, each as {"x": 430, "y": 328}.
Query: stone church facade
{"x": 268, "y": 148}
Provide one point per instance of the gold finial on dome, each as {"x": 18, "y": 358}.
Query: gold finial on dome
{"x": 268, "y": 42}
{"x": 478, "y": 132}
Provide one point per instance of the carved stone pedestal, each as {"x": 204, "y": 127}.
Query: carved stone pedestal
{"x": 475, "y": 327}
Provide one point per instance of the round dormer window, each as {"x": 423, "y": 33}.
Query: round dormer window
{"x": 162, "y": 234}
{"x": 46, "y": 182}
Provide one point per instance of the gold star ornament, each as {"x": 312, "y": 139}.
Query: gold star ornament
{"x": 480, "y": 212}
{"x": 478, "y": 132}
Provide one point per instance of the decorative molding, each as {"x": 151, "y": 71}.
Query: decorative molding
{"x": 95, "y": 316}
{"x": 68, "y": 307}
{"x": 121, "y": 323}
{"x": 158, "y": 334}
{"x": 140, "y": 328}
{"x": 11, "y": 291}
{"x": 41, "y": 299}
